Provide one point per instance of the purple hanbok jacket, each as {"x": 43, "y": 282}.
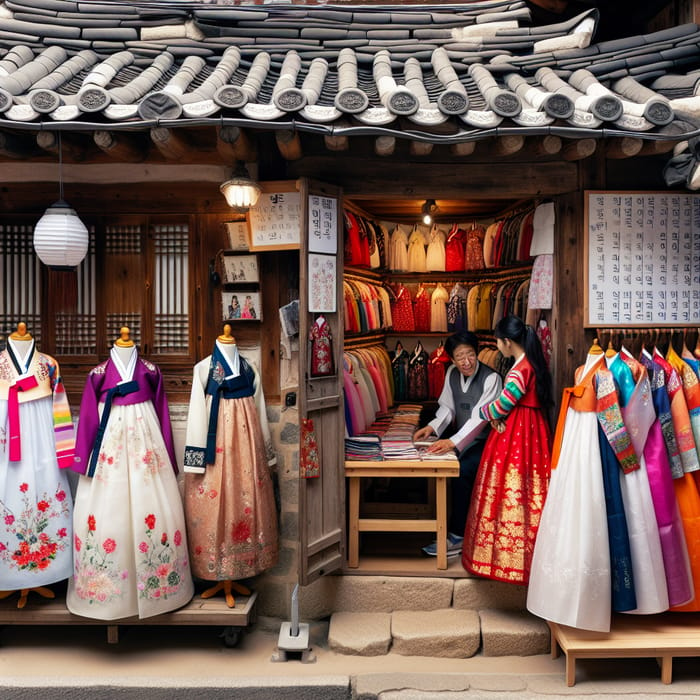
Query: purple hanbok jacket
{"x": 103, "y": 378}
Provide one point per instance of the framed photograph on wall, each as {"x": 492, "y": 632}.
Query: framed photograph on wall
{"x": 241, "y": 269}
{"x": 241, "y": 305}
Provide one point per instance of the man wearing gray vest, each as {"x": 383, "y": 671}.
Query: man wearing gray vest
{"x": 469, "y": 384}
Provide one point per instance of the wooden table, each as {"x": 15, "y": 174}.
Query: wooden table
{"x": 660, "y": 636}
{"x": 440, "y": 470}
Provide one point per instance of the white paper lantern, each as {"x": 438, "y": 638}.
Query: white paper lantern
{"x": 60, "y": 237}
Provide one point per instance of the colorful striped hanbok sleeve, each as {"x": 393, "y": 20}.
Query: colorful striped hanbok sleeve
{"x": 64, "y": 432}
{"x": 513, "y": 391}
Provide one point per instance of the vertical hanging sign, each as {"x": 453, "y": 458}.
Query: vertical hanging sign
{"x": 323, "y": 224}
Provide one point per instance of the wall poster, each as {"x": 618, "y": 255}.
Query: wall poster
{"x": 322, "y": 283}
{"x": 275, "y": 221}
{"x": 642, "y": 264}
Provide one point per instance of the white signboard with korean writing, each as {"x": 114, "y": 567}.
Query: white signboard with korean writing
{"x": 275, "y": 221}
{"x": 323, "y": 224}
{"x": 643, "y": 259}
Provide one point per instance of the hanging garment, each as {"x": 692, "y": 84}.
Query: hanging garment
{"x": 545, "y": 336}
{"x": 645, "y": 430}
{"x": 36, "y": 527}
{"x": 355, "y": 244}
{"x": 321, "y": 348}
{"x": 474, "y": 248}
{"x": 399, "y": 368}
{"x": 130, "y": 541}
{"x": 438, "y": 309}
{"x": 454, "y": 249}
{"x": 418, "y": 374}
{"x": 511, "y": 484}
{"x": 399, "y": 250}
{"x": 421, "y": 310}
{"x": 615, "y": 444}
{"x": 309, "y": 460}
{"x": 416, "y": 251}
{"x": 570, "y": 571}
{"x": 457, "y": 309}
{"x": 402, "y": 310}
{"x": 229, "y": 501}
{"x": 489, "y": 243}
{"x": 435, "y": 254}
{"x": 648, "y": 569}
{"x": 438, "y": 362}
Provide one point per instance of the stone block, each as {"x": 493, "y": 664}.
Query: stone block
{"x": 445, "y": 633}
{"x": 389, "y": 593}
{"x": 360, "y": 634}
{"x": 315, "y": 600}
{"x": 513, "y": 633}
{"x": 479, "y": 593}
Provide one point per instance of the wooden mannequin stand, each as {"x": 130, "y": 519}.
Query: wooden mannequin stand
{"x": 227, "y": 587}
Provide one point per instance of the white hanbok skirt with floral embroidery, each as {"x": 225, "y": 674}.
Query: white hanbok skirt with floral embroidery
{"x": 36, "y": 515}
{"x": 130, "y": 544}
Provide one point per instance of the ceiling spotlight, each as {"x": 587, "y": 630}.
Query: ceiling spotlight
{"x": 428, "y": 211}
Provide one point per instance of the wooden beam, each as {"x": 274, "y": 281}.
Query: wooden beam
{"x": 289, "y": 144}
{"x": 420, "y": 148}
{"x": 16, "y": 146}
{"x": 173, "y": 145}
{"x": 72, "y": 145}
{"x": 653, "y": 148}
{"x": 547, "y": 145}
{"x": 234, "y": 143}
{"x": 336, "y": 142}
{"x": 126, "y": 148}
{"x": 624, "y": 147}
{"x": 578, "y": 149}
{"x": 384, "y": 145}
{"x": 508, "y": 145}
{"x": 464, "y": 149}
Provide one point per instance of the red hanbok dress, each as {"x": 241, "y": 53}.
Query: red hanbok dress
{"x": 511, "y": 484}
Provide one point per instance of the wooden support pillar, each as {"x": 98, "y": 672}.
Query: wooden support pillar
{"x": 547, "y": 145}
{"x": 508, "y": 145}
{"x": 419, "y": 148}
{"x": 384, "y": 145}
{"x": 172, "y": 145}
{"x": 72, "y": 146}
{"x": 578, "y": 149}
{"x": 464, "y": 149}
{"x": 17, "y": 146}
{"x": 289, "y": 144}
{"x": 624, "y": 147}
{"x": 234, "y": 143}
{"x": 128, "y": 148}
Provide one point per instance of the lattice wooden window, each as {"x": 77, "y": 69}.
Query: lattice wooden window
{"x": 20, "y": 280}
{"x": 75, "y": 330}
{"x": 171, "y": 289}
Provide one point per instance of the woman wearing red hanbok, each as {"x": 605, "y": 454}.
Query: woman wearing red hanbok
{"x": 511, "y": 485}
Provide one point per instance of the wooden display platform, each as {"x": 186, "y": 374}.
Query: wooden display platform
{"x": 440, "y": 470}
{"x": 631, "y": 637}
{"x": 198, "y": 612}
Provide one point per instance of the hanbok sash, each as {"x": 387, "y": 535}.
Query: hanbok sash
{"x": 13, "y": 415}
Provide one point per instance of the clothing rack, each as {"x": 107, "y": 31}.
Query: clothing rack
{"x": 521, "y": 206}
{"x": 362, "y": 274}
{"x": 365, "y": 340}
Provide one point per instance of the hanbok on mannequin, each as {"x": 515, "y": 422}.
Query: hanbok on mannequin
{"x": 36, "y": 445}
{"x": 229, "y": 499}
{"x": 130, "y": 544}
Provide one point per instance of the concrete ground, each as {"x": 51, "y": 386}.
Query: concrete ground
{"x": 157, "y": 663}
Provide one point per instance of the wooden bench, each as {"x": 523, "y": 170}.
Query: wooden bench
{"x": 440, "y": 470}
{"x": 660, "y": 636}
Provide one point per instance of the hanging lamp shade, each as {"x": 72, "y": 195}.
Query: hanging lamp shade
{"x": 60, "y": 237}
{"x": 241, "y": 192}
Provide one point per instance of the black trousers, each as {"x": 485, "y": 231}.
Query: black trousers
{"x": 462, "y": 486}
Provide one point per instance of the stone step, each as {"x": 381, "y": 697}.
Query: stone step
{"x": 448, "y": 632}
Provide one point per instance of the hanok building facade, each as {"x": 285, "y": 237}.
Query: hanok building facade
{"x": 143, "y": 109}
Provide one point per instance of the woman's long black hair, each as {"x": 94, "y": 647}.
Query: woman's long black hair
{"x": 514, "y": 329}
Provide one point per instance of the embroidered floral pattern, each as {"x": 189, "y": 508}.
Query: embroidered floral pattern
{"x": 97, "y": 577}
{"x": 161, "y": 562}
{"x": 36, "y": 545}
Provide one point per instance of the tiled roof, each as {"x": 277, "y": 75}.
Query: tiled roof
{"x": 443, "y": 73}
